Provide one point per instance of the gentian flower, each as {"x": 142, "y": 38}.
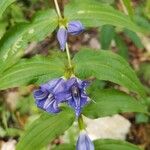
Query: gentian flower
{"x": 75, "y": 27}
{"x": 46, "y": 95}
{"x": 75, "y": 94}
{"x": 50, "y": 95}
{"x": 84, "y": 142}
{"x": 62, "y": 37}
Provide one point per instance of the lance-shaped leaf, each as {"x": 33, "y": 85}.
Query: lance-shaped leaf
{"x": 134, "y": 37}
{"x": 122, "y": 48}
{"x": 103, "y": 144}
{"x": 106, "y": 36}
{"x": 4, "y": 4}
{"x": 14, "y": 42}
{"x": 114, "y": 145}
{"x": 65, "y": 147}
{"x": 45, "y": 129}
{"x": 110, "y": 102}
{"x": 30, "y": 70}
{"x": 108, "y": 66}
{"x": 92, "y": 13}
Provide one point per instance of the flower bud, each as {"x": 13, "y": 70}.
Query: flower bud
{"x": 84, "y": 142}
{"x": 75, "y": 27}
{"x": 62, "y": 37}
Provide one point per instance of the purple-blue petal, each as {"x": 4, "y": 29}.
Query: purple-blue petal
{"x": 78, "y": 103}
{"x": 84, "y": 142}
{"x": 51, "y": 105}
{"x": 70, "y": 82}
{"x": 40, "y": 97}
{"x": 54, "y": 86}
{"x": 75, "y": 27}
{"x": 46, "y": 101}
{"x": 62, "y": 38}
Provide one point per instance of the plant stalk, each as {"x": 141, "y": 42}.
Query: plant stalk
{"x": 81, "y": 123}
{"x": 68, "y": 55}
{"x": 57, "y": 9}
{"x": 67, "y": 48}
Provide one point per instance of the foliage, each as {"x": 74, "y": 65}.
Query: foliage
{"x": 112, "y": 68}
{"x": 45, "y": 129}
{"x": 104, "y": 66}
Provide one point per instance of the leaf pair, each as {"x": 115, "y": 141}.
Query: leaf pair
{"x": 103, "y": 65}
{"x": 14, "y": 42}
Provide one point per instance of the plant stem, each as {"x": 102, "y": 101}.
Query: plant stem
{"x": 67, "y": 48}
{"x": 57, "y": 9}
{"x": 68, "y": 55}
{"x": 81, "y": 123}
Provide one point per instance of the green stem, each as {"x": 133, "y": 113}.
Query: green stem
{"x": 81, "y": 123}
{"x": 57, "y": 9}
{"x": 60, "y": 18}
{"x": 68, "y": 55}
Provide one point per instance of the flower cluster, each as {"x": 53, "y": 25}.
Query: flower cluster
{"x": 72, "y": 91}
{"x": 73, "y": 28}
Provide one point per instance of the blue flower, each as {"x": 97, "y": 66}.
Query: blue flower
{"x": 62, "y": 37}
{"x": 75, "y": 94}
{"x": 84, "y": 142}
{"x": 75, "y": 27}
{"x": 46, "y": 95}
{"x": 50, "y": 95}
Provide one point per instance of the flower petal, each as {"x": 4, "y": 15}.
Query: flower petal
{"x": 40, "y": 97}
{"x": 70, "y": 82}
{"x": 77, "y": 97}
{"x": 62, "y": 37}
{"x": 78, "y": 103}
{"x": 75, "y": 27}
{"x": 54, "y": 86}
{"x": 84, "y": 142}
{"x": 51, "y": 104}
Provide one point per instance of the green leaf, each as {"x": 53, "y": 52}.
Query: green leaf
{"x": 14, "y": 42}
{"x": 144, "y": 71}
{"x": 45, "y": 129}
{"x": 103, "y": 144}
{"x": 143, "y": 22}
{"x": 106, "y": 1}
{"x": 30, "y": 70}
{"x": 3, "y": 25}
{"x": 92, "y": 13}
{"x": 121, "y": 46}
{"x": 110, "y": 102}
{"x": 128, "y": 7}
{"x": 134, "y": 37}
{"x": 16, "y": 13}
{"x": 64, "y": 147}
{"x": 141, "y": 118}
{"x": 4, "y": 4}
{"x": 114, "y": 145}
{"x": 106, "y": 65}
{"x": 106, "y": 35}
